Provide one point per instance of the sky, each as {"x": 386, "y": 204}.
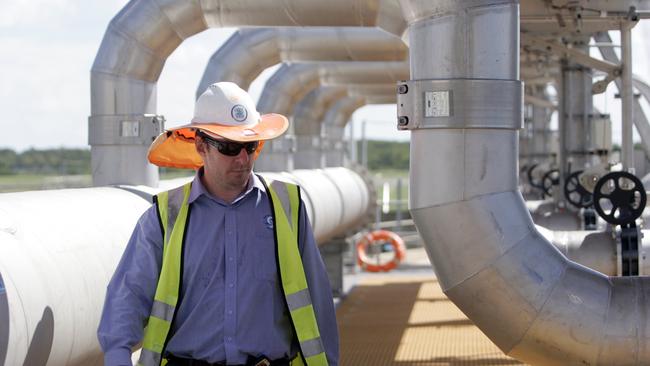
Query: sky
{"x": 48, "y": 48}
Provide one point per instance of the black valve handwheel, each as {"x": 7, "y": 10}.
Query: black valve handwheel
{"x": 619, "y": 198}
{"x": 531, "y": 181}
{"x": 575, "y": 193}
{"x": 550, "y": 179}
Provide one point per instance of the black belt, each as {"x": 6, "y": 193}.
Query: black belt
{"x": 252, "y": 361}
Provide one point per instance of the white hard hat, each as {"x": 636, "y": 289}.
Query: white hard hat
{"x": 224, "y": 110}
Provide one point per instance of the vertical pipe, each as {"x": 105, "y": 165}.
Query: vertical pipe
{"x": 564, "y": 110}
{"x": 627, "y": 98}
{"x": 364, "y": 145}
{"x": 489, "y": 259}
{"x": 576, "y": 100}
{"x": 398, "y": 202}
{"x": 540, "y": 146}
{"x": 353, "y": 144}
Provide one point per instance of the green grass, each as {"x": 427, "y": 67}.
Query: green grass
{"x": 36, "y": 182}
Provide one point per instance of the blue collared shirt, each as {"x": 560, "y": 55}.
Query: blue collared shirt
{"x": 232, "y": 303}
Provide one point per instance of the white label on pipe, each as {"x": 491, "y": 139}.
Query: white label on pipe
{"x": 130, "y": 129}
{"x": 436, "y": 104}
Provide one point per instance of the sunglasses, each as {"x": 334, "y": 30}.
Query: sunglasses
{"x": 230, "y": 148}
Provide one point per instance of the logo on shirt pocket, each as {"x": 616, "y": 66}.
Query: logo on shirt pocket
{"x": 268, "y": 222}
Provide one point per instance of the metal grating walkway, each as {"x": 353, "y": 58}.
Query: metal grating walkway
{"x": 405, "y": 319}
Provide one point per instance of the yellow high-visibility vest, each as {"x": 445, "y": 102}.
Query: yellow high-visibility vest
{"x": 173, "y": 211}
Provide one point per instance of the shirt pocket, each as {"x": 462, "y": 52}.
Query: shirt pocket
{"x": 263, "y": 254}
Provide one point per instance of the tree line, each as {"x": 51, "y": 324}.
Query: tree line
{"x": 61, "y": 161}
{"x": 66, "y": 161}
{"x": 386, "y": 155}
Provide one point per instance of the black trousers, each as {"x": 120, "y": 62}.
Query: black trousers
{"x": 261, "y": 361}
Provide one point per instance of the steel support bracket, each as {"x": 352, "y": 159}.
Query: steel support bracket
{"x": 628, "y": 243}
{"x": 133, "y": 129}
{"x": 460, "y": 103}
{"x": 574, "y": 55}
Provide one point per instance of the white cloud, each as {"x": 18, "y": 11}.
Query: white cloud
{"x": 32, "y": 12}
{"x": 50, "y": 45}
{"x": 182, "y": 73}
{"x": 45, "y": 94}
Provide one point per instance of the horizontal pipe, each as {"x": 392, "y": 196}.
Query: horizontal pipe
{"x": 596, "y": 250}
{"x": 315, "y": 135}
{"x": 58, "y": 250}
{"x": 291, "y": 83}
{"x": 140, "y": 38}
{"x": 249, "y": 51}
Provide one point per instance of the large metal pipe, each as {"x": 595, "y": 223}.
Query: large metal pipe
{"x": 640, "y": 119}
{"x": 627, "y": 97}
{"x": 145, "y": 32}
{"x": 335, "y": 120}
{"x": 249, "y": 51}
{"x": 58, "y": 250}
{"x": 596, "y": 250}
{"x": 576, "y": 108}
{"x": 542, "y": 133}
{"x": 529, "y": 299}
{"x": 291, "y": 83}
{"x": 307, "y": 127}
{"x": 312, "y": 140}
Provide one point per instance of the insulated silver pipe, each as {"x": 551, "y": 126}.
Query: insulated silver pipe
{"x": 335, "y": 120}
{"x": 596, "y": 250}
{"x": 339, "y": 114}
{"x": 290, "y": 83}
{"x": 576, "y": 108}
{"x": 363, "y": 73}
{"x": 144, "y": 33}
{"x": 249, "y": 51}
{"x": 528, "y": 298}
{"x": 309, "y": 112}
{"x": 58, "y": 252}
{"x": 312, "y": 139}
{"x": 307, "y": 127}
{"x": 627, "y": 97}
{"x": 640, "y": 120}
{"x": 535, "y": 138}
{"x": 541, "y": 126}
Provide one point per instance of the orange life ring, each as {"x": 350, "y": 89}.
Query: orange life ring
{"x": 380, "y": 236}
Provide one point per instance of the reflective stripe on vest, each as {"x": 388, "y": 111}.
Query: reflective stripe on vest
{"x": 285, "y": 201}
{"x": 173, "y": 211}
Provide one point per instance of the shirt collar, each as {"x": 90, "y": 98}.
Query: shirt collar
{"x": 199, "y": 189}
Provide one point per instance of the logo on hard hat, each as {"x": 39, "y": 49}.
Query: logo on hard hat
{"x": 239, "y": 113}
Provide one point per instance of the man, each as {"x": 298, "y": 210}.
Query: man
{"x": 224, "y": 270}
